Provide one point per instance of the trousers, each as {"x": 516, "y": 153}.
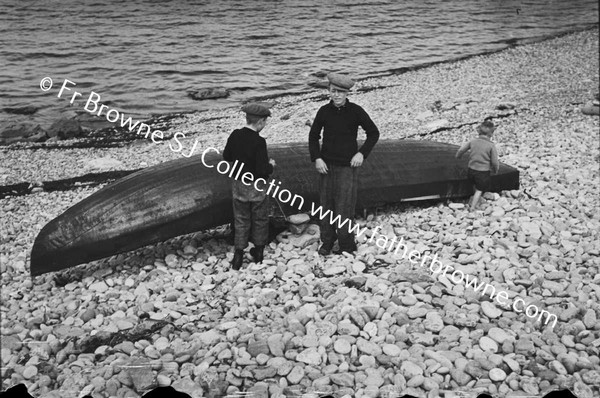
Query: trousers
{"x": 338, "y": 192}
{"x": 250, "y": 218}
{"x": 250, "y": 215}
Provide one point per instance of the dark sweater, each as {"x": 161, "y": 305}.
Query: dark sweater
{"x": 340, "y": 129}
{"x": 246, "y": 146}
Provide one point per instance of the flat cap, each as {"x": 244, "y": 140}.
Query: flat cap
{"x": 256, "y": 109}
{"x": 340, "y": 81}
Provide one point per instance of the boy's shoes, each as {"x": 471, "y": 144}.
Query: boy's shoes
{"x": 257, "y": 253}
{"x": 325, "y": 250}
{"x": 342, "y": 251}
{"x": 350, "y": 249}
{"x": 238, "y": 259}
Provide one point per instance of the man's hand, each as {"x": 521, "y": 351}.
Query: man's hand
{"x": 321, "y": 166}
{"x": 357, "y": 160}
{"x": 272, "y": 162}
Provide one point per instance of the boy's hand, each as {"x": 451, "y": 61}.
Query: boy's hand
{"x": 321, "y": 166}
{"x": 357, "y": 160}
{"x": 272, "y": 162}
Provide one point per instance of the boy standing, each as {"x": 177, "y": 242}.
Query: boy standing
{"x": 338, "y": 160}
{"x": 250, "y": 206}
{"x": 483, "y": 158}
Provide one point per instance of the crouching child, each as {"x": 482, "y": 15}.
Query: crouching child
{"x": 483, "y": 160}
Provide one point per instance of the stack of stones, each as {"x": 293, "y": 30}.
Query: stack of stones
{"x": 301, "y": 233}
{"x": 298, "y": 223}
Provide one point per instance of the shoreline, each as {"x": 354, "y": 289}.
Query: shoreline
{"x": 157, "y": 118}
{"x": 181, "y": 122}
{"x": 18, "y": 114}
{"x": 425, "y": 335}
{"x": 511, "y": 43}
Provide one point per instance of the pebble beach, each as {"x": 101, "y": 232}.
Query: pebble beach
{"x": 362, "y": 325}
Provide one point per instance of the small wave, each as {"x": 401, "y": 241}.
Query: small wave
{"x": 372, "y": 34}
{"x": 374, "y": 4}
{"x": 261, "y": 37}
{"x": 34, "y": 55}
{"x": 243, "y": 88}
{"x": 165, "y": 72}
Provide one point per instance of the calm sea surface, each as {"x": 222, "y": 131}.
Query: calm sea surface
{"x": 143, "y": 56}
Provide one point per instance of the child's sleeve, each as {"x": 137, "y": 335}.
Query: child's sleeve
{"x": 227, "y": 155}
{"x": 464, "y": 148}
{"x": 263, "y": 167}
{"x": 494, "y": 159}
{"x": 314, "y": 135}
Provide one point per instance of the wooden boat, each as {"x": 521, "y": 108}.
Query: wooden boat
{"x": 184, "y": 196}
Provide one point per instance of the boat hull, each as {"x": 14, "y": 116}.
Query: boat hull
{"x": 185, "y": 195}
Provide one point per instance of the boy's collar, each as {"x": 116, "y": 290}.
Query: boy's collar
{"x": 339, "y": 107}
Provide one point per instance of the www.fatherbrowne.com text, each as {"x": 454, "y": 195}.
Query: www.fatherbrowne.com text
{"x": 273, "y": 189}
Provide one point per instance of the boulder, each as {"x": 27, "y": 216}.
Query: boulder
{"x": 321, "y": 74}
{"x": 297, "y": 219}
{"x": 209, "y": 93}
{"x": 21, "y": 131}
{"x": 319, "y": 84}
{"x": 590, "y": 109}
{"x": 65, "y": 129}
{"x": 503, "y": 106}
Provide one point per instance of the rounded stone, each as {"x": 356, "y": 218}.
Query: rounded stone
{"x": 161, "y": 343}
{"x": 416, "y": 381}
{"x": 342, "y": 346}
{"x": 499, "y": 335}
{"x": 490, "y": 310}
{"x": 297, "y": 219}
{"x": 497, "y": 374}
{"x": 391, "y": 350}
{"x": 488, "y": 344}
{"x": 367, "y": 361}
{"x": 410, "y": 369}
{"x": 30, "y": 372}
{"x": 88, "y": 315}
{"x": 163, "y": 380}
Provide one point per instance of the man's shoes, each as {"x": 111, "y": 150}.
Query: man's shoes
{"x": 257, "y": 253}
{"x": 325, "y": 250}
{"x": 238, "y": 259}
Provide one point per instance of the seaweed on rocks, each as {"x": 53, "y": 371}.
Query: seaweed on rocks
{"x": 86, "y": 180}
{"x": 140, "y": 331}
{"x": 511, "y": 112}
{"x": 80, "y": 143}
{"x": 106, "y": 137}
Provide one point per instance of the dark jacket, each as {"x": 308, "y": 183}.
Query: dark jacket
{"x": 246, "y": 146}
{"x": 340, "y": 129}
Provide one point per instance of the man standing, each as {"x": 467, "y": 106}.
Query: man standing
{"x": 250, "y": 206}
{"x": 339, "y": 158}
